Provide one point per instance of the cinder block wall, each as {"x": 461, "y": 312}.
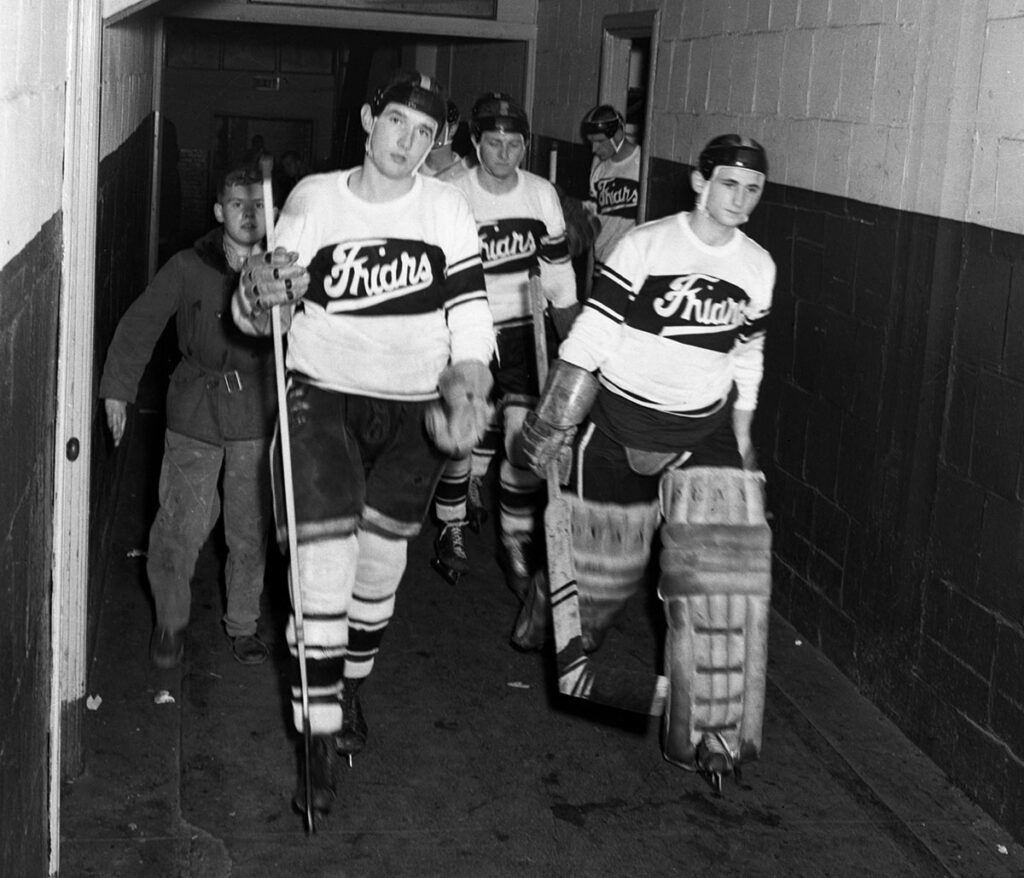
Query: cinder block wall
{"x": 32, "y": 87}
{"x": 893, "y": 406}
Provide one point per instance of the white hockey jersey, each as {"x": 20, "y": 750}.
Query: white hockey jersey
{"x": 517, "y": 230}
{"x": 673, "y": 322}
{"x": 615, "y": 188}
{"x": 396, "y": 289}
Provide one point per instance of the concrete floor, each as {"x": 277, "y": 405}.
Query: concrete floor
{"x": 475, "y": 765}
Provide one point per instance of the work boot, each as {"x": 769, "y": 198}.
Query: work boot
{"x": 323, "y": 770}
{"x": 352, "y": 737}
{"x": 450, "y": 550}
{"x": 166, "y": 647}
{"x": 249, "y": 649}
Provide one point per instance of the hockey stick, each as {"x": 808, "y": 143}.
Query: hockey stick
{"x": 578, "y": 675}
{"x": 294, "y": 586}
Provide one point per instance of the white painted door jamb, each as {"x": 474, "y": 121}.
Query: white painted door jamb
{"x": 75, "y": 405}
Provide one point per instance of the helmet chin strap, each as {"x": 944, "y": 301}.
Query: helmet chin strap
{"x": 419, "y": 164}
{"x": 702, "y": 199}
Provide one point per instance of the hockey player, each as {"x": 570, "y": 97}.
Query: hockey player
{"x": 520, "y": 225}
{"x": 614, "y": 177}
{"x": 393, "y": 314}
{"x": 442, "y": 160}
{"x": 444, "y": 164}
{"x": 661, "y": 370}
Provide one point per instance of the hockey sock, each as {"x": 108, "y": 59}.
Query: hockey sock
{"x": 327, "y": 571}
{"x": 519, "y": 492}
{"x": 450, "y": 497}
{"x": 381, "y": 565}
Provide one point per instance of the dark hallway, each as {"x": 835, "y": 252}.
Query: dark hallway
{"x": 474, "y": 766}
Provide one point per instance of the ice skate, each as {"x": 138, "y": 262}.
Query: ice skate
{"x": 476, "y": 512}
{"x": 323, "y": 765}
{"x": 352, "y": 737}
{"x": 715, "y": 760}
{"x": 450, "y": 552}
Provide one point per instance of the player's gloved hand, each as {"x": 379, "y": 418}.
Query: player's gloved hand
{"x": 541, "y": 442}
{"x": 456, "y": 423}
{"x": 566, "y": 399}
{"x": 298, "y": 405}
{"x": 270, "y": 279}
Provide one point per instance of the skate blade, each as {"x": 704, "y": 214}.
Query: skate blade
{"x": 452, "y": 576}
{"x": 319, "y": 821}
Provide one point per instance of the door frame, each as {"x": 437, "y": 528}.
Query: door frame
{"x": 617, "y": 34}
{"x": 73, "y": 428}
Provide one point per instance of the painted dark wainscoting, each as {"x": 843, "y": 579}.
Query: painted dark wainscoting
{"x": 30, "y": 289}
{"x": 29, "y": 309}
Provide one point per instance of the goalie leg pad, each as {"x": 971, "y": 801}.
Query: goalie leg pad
{"x": 716, "y": 587}
{"x": 611, "y": 549}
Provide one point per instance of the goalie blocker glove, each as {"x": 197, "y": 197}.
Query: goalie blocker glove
{"x": 567, "y": 398}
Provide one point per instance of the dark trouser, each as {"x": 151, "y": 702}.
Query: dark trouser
{"x": 190, "y": 505}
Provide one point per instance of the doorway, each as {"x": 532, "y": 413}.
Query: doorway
{"x": 297, "y": 89}
{"x": 242, "y": 140}
{"x": 628, "y": 68}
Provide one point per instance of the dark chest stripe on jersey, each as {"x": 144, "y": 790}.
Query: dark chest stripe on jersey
{"x": 466, "y": 285}
{"x": 554, "y": 250}
{"x": 693, "y": 309}
{"x": 378, "y": 276}
{"x": 511, "y": 244}
{"x": 754, "y": 328}
{"x": 617, "y": 196}
{"x": 611, "y": 296}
